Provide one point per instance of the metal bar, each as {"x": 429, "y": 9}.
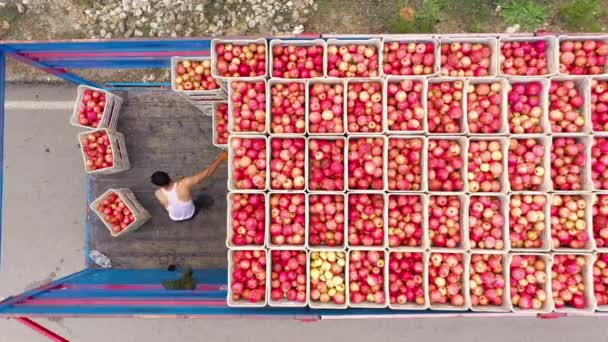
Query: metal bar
{"x": 122, "y": 85}
{"x": 2, "y": 100}
{"x": 10, "y": 301}
{"x": 58, "y": 72}
{"x": 40, "y": 329}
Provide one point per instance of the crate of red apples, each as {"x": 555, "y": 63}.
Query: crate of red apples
{"x": 417, "y": 173}
{"x": 103, "y": 151}
{"x": 120, "y": 211}
{"x": 95, "y": 108}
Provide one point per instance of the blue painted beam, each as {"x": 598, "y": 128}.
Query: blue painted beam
{"x": 2, "y": 136}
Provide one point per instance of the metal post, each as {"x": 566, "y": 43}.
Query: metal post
{"x": 2, "y": 94}
{"x": 40, "y": 329}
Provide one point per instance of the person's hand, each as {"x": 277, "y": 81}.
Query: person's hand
{"x": 223, "y": 156}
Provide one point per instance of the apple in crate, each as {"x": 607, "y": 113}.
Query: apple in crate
{"x": 194, "y": 75}
{"x": 98, "y": 150}
{"x": 115, "y": 212}
{"x": 248, "y": 276}
{"x": 91, "y": 108}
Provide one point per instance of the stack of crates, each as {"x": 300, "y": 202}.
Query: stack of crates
{"x": 97, "y": 111}
{"x": 105, "y": 127}
{"x": 126, "y": 196}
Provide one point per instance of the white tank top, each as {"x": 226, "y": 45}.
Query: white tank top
{"x": 178, "y": 210}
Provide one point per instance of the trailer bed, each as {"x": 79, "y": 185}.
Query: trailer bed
{"x": 163, "y": 131}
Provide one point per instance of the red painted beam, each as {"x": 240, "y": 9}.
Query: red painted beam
{"x": 81, "y": 54}
{"x": 40, "y": 329}
{"x": 135, "y": 287}
{"x": 120, "y": 302}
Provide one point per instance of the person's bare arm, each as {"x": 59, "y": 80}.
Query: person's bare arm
{"x": 201, "y": 176}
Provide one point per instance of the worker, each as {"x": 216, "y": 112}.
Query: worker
{"x": 176, "y": 196}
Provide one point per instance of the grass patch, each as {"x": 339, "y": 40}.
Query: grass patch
{"x": 528, "y": 14}
{"x": 9, "y": 13}
{"x": 475, "y": 15}
{"x": 419, "y": 19}
{"x": 582, "y": 15}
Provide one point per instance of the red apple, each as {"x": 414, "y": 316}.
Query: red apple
{"x": 287, "y": 219}
{"x": 248, "y": 283}
{"x": 527, "y": 221}
{"x": 352, "y": 60}
{"x": 248, "y": 106}
{"x": 240, "y": 59}
{"x": 287, "y": 109}
{"x": 364, "y": 107}
{"x": 292, "y": 61}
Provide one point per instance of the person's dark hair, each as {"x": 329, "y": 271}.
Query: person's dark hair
{"x": 160, "y": 178}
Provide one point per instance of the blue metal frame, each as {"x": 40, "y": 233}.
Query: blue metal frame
{"x": 2, "y": 95}
{"x": 92, "y": 291}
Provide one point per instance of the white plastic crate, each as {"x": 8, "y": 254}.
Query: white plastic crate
{"x": 592, "y": 161}
{"x": 595, "y": 199}
{"x": 214, "y": 111}
{"x": 506, "y": 297}
{"x": 552, "y": 53}
{"x": 384, "y": 159}
{"x": 318, "y": 305}
{"x": 229, "y": 230}
{"x": 424, "y": 158}
{"x": 423, "y": 102}
{"x": 587, "y": 182}
{"x": 269, "y": 178}
{"x": 231, "y": 108}
{"x": 345, "y": 153}
{"x": 424, "y": 240}
{"x": 583, "y": 85}
{"x": 464, "y": 148}
{"x": 545, "y": 141}
{"x": 240, "y": 42}
{"x": 599, "y": 79}
{"x": 504, "y": 178}
{"x": 111, "y": 111}
{"x": 587, "y": 273}
{"x": 604, "y": 307}
{"x": 504, "y": 122}
{"x": 384, "y": 220}
{"x": 464, "y": 223}
{"x": 504, "y": 210}
{"x": 231, "y": 181}
{"x": 244, "y": 303}
{"x": 375, "y": 42}
{"x": 575, "y": 38}
{"x": 544, "y": 101}
{"x": 490, "y": 41}
{"x": 464, "y": 279}
{"x": 413, "y": 39}
{"x": 119, "y": 152}
{"x": 382, "y": 83}
{"x": 286, "y": 302}
{"x": 384, "y": 285}
{"x": 177, "y": 59}
{"x": 546, "y": 233}
{"x": 548, "y": 304}
{"x": 128, "y": 197}
{"x": 331, "y": 81}
{"x": 590, "y": 245}
{"x": 269, "y": 209}
{"x": 269, "y": 113}
{"x": 425, "y": 286}
{"x": 345, "y": 223}
{"x": 299, "y": 42}
{"x": 463, "y": 121}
